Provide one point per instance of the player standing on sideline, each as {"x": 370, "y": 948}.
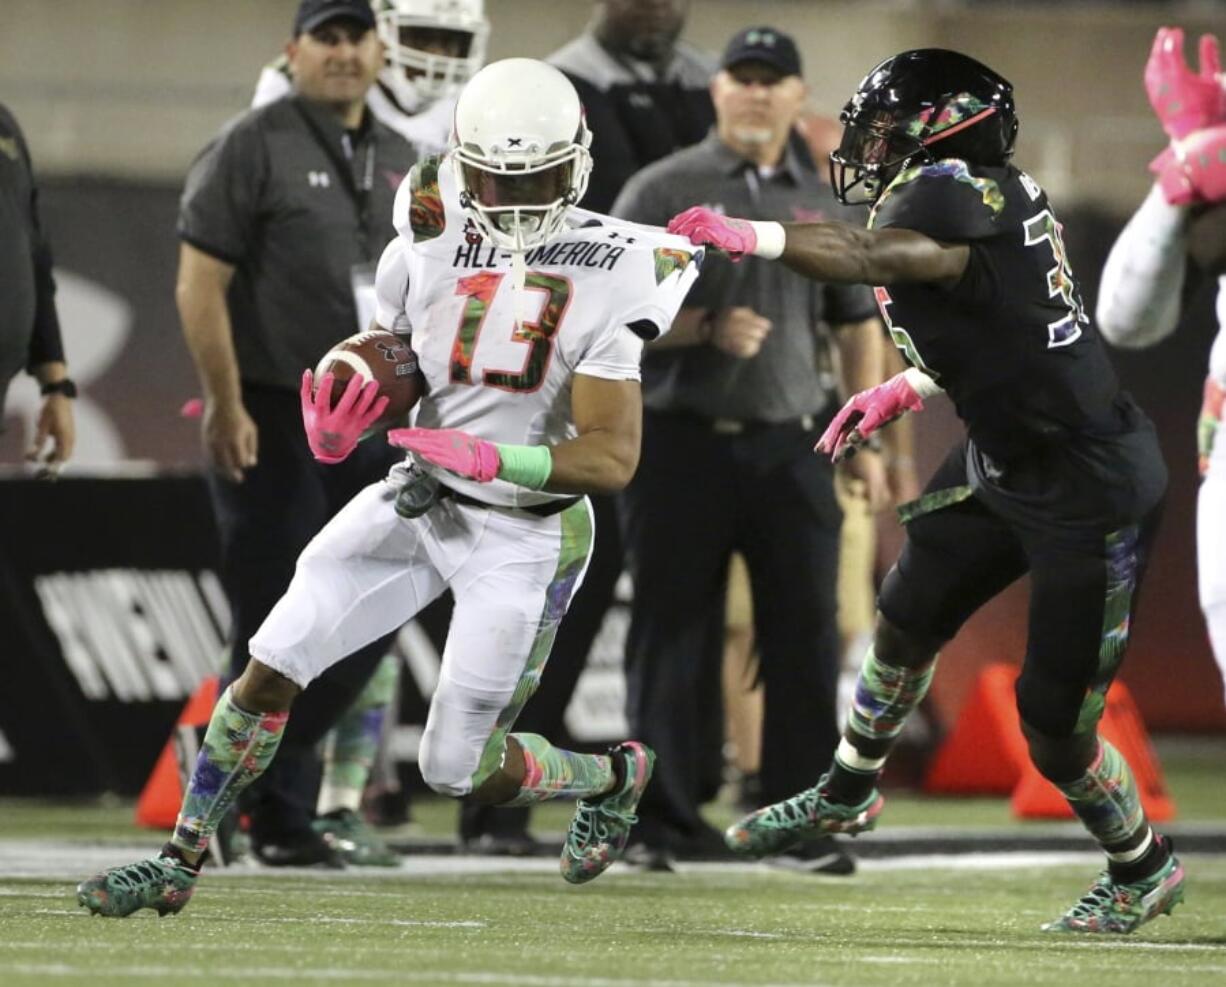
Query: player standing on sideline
{"x": 431, "y": 48}
{"x": 1138, "y": 301}
{"x": 528, "y": 318}
{"x": 1060, "y": 476}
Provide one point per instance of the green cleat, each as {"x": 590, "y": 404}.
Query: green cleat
{"x": 600, "y": 828}
{"x": 806, "y": 816}
{"x": 163, "y": 883}
{"x": 347, "y": 833}
{"x": 1113, "y": 908}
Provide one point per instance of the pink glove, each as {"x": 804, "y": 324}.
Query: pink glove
{"x": 453, "y": 450}
{"x": 1184, "y": 101}
{"x": 1194, "y": 169}
{"x": 705, "y": 226}
{"x": 333, "y": 433}
{"x": 866, "y": 412}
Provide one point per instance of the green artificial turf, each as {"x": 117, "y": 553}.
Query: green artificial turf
{"x": 744, "y": 927}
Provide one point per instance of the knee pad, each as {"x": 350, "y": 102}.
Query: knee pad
{"x": 446, "y": 770}
{"x": 1048, "y": 706}
{"x": 462, "y": 724}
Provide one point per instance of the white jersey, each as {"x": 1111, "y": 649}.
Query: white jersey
{"x": 428, "y": 129}
{"x": 499, "y": 361}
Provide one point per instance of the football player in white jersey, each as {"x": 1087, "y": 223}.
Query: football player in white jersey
{"x": 431, "y": 49}
{"x": 1138, "y": 302}
{"x": 528, "y": 317}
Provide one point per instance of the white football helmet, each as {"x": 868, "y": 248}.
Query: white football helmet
{"x": 520, "y": 151}
{"x": 409, "y": 29}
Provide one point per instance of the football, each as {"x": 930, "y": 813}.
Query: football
{"x": 382, "y": 357}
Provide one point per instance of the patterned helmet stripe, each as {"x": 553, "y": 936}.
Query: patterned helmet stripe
{"x": 950, "y": 131}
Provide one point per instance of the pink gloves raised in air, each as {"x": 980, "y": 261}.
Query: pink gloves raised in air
{"x": 1191, "y": 106}
{"x": 865, "y": 413}
{"x": 333, "y": 432}
{"x": 453, "y": 450}
{"x": 1184, "y": 101}
{"x": 704, "y": 226}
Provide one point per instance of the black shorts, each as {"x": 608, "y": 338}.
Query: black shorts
{"x": 959, "y": 553}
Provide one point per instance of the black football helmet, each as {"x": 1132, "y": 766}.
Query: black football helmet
{"x": 920, "y": 106}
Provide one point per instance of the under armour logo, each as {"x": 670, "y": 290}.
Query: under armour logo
{"x": 616, "y": 236}
{"x": 319, "y": 179}
{"x": 515, "y": 142}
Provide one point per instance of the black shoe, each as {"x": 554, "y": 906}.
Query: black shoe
{"x": 304, "y": 848}
{"x": 650, "y": 858}
{"x": 522, "y": 844}
{"x": 386, "y": 807}
{"x": 492, "y": 830}
{"x": 821, "y": 856}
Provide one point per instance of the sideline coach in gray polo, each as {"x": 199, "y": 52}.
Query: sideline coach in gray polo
{"x": 735, "y": 397}
{"x": 281, "y": 224}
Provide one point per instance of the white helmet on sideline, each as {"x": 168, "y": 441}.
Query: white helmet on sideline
{"x": 521, "y": 151}
{"x": 416, "y": 74}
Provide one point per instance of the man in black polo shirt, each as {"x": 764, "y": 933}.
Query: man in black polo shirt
{"x": 29, "y": 327}
{"x": 737, "y": 399}
{"x": 282, "y": 220}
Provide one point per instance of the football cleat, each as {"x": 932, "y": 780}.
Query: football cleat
{"x": 347, "y": 833}
{"x": 164, "y": 883}
{"x": 806, "y": 816}
{"x": 601, "y": 826}
{"x": 1111, "y": 907}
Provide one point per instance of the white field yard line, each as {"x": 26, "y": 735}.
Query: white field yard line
{"x": 69, "y": 860}
{"x": 249, "y": 974}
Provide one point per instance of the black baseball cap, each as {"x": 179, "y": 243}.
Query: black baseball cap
{"x": 763, "y": 44}
{"x": 312, "y": 13}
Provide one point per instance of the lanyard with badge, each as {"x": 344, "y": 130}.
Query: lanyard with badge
{"x": 361, "y": 274}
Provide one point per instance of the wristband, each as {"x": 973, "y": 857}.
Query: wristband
{"x": 921, "y": 383}
{"x": 525, "y": 466}
{"x": 64, "y": 386}
{"x": 771, "y": 239}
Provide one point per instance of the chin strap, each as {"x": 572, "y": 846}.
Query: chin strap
{"x": 519, "y": 296}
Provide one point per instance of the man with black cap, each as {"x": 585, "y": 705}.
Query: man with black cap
{"x": 737, "y": 394}
{"x": 282, "y": 221}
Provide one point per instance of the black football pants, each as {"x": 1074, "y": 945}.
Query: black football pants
{"x": 698, "y": 496}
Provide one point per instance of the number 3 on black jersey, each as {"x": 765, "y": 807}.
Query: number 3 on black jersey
{"x": 1060, "y": 281}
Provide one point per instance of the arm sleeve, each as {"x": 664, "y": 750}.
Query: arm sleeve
{"x": 848, "y": 303}
{"x": 46, "y": 342}
{"x": 392, "y": 288}
{"x": 1138, "y": 296}
{"x": 220, "y": 205}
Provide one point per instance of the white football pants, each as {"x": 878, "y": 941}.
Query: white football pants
{"x": 369, "y": 571}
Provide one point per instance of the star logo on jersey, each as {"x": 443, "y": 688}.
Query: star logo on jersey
{"x": 669, "y": 260}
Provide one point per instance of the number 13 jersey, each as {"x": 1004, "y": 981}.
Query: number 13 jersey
{"x": 498, "y": 357}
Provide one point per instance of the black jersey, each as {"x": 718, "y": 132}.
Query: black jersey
{"x": 1011, "y": 343}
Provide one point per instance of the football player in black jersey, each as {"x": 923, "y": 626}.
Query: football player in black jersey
{"x": 1060, "y": 474}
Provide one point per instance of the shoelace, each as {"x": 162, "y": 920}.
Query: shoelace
{"x": 589, "y": 823}
{"x": 134, "y": 875}
{"x": 798, "y": 810}
{"x": 1099, "y": 896}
